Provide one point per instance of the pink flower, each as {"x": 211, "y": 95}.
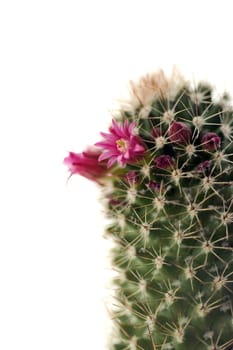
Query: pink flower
{"x": 164, "y": 162}
{"x": 179, "y": 133}
{"x": 86, "y": 164}
{"x": 210, "y": 141}
{"x": 121, "y": 145}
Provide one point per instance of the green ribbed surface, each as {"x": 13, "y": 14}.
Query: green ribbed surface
{"x": 173, "y": 245}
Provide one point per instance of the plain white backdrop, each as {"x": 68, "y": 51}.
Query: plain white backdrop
{"x": 61, "y": 65}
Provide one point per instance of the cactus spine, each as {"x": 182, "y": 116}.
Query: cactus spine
{"x": 171, "y": 205}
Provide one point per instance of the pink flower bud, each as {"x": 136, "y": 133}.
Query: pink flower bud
{"x": 210, "y": 141}
{"x": 86, "y": 164}
{"x": 179, "y": 133}
{"x": 164, "y": 162}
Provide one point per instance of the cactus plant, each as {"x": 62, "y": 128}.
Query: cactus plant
{"x": 165, "y": 171}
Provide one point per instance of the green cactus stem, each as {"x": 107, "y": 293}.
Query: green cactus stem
{"x": 170, "y": 200}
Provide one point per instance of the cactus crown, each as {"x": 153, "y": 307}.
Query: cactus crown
{"x": 169, "y": 162}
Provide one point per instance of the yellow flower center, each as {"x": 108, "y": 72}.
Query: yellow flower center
{"x": 122, "y": 145}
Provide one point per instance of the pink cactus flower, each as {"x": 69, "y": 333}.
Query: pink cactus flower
{"x": 86, "y": 164}
{"x": 164, "y": 162}
{"x": 179, "y": 133}
{"x": 210, "y": 141}
{"x": 121, "y": 145}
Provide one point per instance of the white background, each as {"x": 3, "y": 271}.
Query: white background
{"x": 61, "y": 63}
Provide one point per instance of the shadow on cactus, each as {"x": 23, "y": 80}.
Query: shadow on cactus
{"x": 165, "y": 169}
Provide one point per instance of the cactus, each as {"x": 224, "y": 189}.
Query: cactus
{"x": 165, "y": 171}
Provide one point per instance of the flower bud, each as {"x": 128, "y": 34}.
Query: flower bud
{"x": 210, "y": 141}
{"x": 86, "y": 164}
{"x": 179, "y": 133}
{"x": 164, "y": 162}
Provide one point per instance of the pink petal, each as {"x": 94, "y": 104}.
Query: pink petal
{"x": 131, "y": 127}
{"x": 105, "y": 144}
{"x": 139, "y": 148}
{"x": 127, "y": 155}
{"x": 117, "y": 129}
{"x": 109, "y": 136}
{"x": 111, "y": 161}
{"x": 104, "y": 155}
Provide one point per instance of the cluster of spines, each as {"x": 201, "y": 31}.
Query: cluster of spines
{"x": 172, "y": 227}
